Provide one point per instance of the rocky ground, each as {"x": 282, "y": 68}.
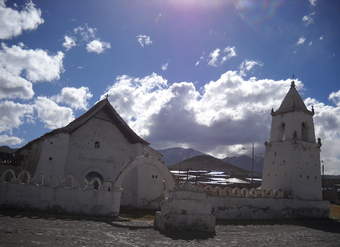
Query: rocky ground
{"x": 34, "y": 229}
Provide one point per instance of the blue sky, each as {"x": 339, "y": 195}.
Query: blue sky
{"x": 191, "y": 73}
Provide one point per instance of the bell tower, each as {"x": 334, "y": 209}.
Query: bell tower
{"x": 292, "y": 157}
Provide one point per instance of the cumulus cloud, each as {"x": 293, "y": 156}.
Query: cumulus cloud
{"x": 217, "y": 57}
{"x": 9, "y": 140}
{"x": 327, "y": 125}
{"x": 97, "y": 46}
{"x": 165, "y": 66}
{"x": 14, "y": 86}
{"x": 20, "y": 67}
{"x": 12, "y": 115}
{"x": 37, "y": 65}
{"x": 301, "y": 41}
{"x": 248, "y": 65}
{"x": 76, "y": 98}
{"x": 51, "y": 114}
{"x": 308, "y": 19}
{"x": 13, "y": 22}
{"x": 182, "y": 114}
{"x": 69, "y": 42}
{"x": 335, "y": 97}
{"x": 144, "y": 40}
{"x": 222, "y": 118}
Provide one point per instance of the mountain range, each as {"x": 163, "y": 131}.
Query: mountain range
{"x": 172, "y": 156}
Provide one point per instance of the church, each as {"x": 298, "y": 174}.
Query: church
{"x": 97, "y": 151}
{"x": 97, "y": 163}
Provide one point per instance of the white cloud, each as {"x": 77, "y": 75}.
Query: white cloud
{"x": 308, "y": 19}
{"x": 76, "y": 98}
{"x": 9, "y": 140}
{"x": 321, "y": 38}
{"x": 301, "y": 40}
{"x": 12, "y": 115}
{"x": 327, "y": 125}
{"x": 214, "y": 119}
{"x": 85, "y": 32}
{"x": 313, "y": 2}
{"x": 52, "y": 115}
{"x": 182, "y": 114}
{"x": 310, "y": 43}
{"x": 14, "y": 22}
{"x": 165, "y": 66}
{"x": 97, "y": 46}
{"x": 248, "y": 65}
{"x": 144, "y": 40}
{"x": 19, "y": 67}
{"x": 14, "y": 86}
{"x": 37, "y": 65}
{"x": 69, "y": 42}
{"x": 217, "y": 57}
{"x": 335, "y": 98}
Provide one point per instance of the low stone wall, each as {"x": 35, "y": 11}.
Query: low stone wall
{"x": 69, "y": 200}
{"x": 267, "y": 208}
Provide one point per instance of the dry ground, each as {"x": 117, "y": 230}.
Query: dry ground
{"x": 36, "y": 229}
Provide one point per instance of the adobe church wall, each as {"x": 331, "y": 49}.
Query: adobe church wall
{"x": 54, "y": 150}
{"x": 99, "y": 146}
{"x": 61, "y": 199}
{"x": 233, "y": 208}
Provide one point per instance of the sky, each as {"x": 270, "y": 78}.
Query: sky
{"x": 182, "y": 73}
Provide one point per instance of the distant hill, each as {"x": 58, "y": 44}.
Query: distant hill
{"x": 174, "y": 155}
{"x": 244, "y": 162}
{"x": 207, "y": 162}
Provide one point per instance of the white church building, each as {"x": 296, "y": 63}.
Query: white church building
{"x": 96, "y": 161}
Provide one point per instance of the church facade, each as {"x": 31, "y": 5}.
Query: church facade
{"x": 97, "y": 151}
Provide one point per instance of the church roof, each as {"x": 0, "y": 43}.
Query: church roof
{"x": 78, "y": 122}
{"x": 292, "y": 103}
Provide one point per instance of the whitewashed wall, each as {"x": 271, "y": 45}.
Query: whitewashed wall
{"x": 267, "y": 208}
{"x": 69, "y": 200}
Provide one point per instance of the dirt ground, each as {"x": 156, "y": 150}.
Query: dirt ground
{"x": 36, "y": 229}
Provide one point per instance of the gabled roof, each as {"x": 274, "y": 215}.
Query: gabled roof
{"x": 78, "y": 122}
{"x": 292, "y": 103}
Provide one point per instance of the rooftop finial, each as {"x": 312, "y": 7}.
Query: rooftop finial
{"x": 106, "y": 96}
{"x": 292, "y": 84}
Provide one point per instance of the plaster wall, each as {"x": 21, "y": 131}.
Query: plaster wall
{"x": 293, "y": 122}
{"x": 114, "y": 152}
{"x": 267, "y": 208}
{"x": 53, "y": 155}
{"x": 69, "y": 200}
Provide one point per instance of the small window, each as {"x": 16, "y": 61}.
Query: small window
{"x": 307, "y": 177}
{"x": 50, "y": 158}
{"x": 97, "y": 144}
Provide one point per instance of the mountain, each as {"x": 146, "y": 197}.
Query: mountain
{"x": 174, "y": 155}
{"x": 244, "y": 162}
{"x": 210, "y": 163}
